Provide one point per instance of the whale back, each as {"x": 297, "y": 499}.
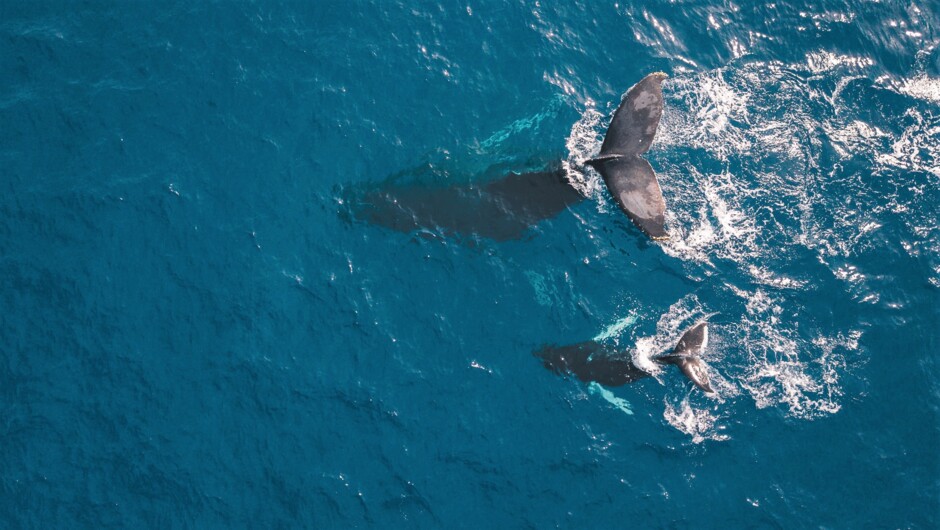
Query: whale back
{"x": 590, "y": 361}
{"x": 502, "y": 209}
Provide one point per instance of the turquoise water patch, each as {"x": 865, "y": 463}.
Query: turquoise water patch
{"x": 523, "y": 124}
{"x": 543, "y": 292}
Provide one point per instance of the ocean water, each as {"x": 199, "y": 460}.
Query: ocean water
{"x": 194, "y": 333}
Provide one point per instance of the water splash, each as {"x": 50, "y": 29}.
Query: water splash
{"x": 582, "y": 143}
{"x": 699, "y": 423}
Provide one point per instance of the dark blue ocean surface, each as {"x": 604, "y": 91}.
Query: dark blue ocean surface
{"x": 195, "y": 332}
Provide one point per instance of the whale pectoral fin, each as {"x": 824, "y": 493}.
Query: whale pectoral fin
{"x": 633, "y": 184}
{"x": 633, "y": 126}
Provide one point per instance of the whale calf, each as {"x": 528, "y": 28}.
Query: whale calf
{"x": 591, "y": 361}
{"x": 507, "y": 207}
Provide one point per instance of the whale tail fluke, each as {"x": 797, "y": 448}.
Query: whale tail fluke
{"x": 629, "y": 178}
{"x": 686, "y": 356}
{"x": 634, "y": 124}
{"x": 634, "y": 187}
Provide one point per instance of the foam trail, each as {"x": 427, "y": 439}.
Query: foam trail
{"x": 768, "y": 197}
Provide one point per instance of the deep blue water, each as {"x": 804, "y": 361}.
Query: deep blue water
{"x": 193, "y": 334}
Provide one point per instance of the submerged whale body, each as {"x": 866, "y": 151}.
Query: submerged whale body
{"x": 591, "y": 361}
{"x": 501, "y": 209}
{"x": 506, "y": 208}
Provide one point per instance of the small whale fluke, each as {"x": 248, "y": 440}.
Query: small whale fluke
{"x": 591, "y": 361}
{"x": 629, "y": 178}
{"x": 686, "y": 356}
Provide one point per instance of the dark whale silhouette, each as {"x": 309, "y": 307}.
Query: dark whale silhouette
{"x": 591, "y": 361}
{"x": 507, "y": 207}
{"x": 501, "y": 210}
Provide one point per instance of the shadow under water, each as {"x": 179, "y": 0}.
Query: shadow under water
{"x": 502, "y": 209}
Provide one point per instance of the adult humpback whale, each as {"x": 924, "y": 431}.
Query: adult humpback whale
{"x": 506, "y": 208}
{"x": 592, "y": 361}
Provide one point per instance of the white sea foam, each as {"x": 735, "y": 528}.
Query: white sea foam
{"x": 763, "y": 209}
{"x": 699, "y": 423}
{"x": 782, "y": 368}
{"x": 918, "y": 148}
{"x": 582, "y": 143}
{"x": 923, "y": 87}
{"x": 681, "y": 315}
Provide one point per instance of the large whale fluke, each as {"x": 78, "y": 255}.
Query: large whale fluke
{"x": 591, "y": 361}
{"x": 634, "y": 124}
{"x": 629, "y": 178}
{"x": 634, "y": 186}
